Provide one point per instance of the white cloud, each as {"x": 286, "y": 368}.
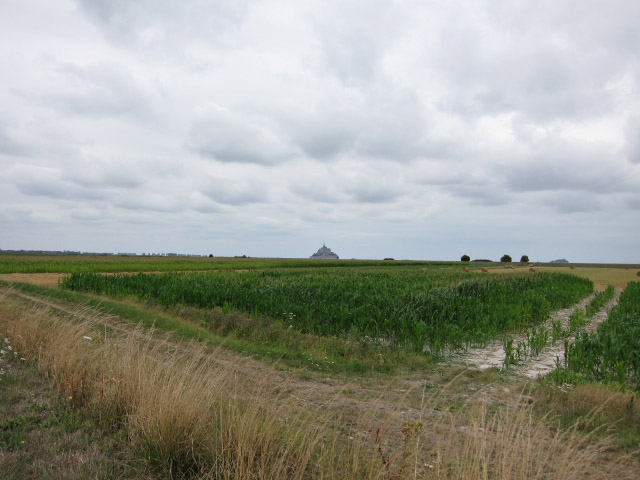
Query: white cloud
{"x": 280, "y": 122}
{"x": 236, "y": 137}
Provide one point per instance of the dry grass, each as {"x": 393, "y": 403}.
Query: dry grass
{"x": 188, "y": 414}
{"x": 595, "y": 404}
{"x": 601, "y": 276}
{"x": 45, "y": 279}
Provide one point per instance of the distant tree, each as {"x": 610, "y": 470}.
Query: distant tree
{"x": 525, "y": 259}
{"x": 465, "y": 258}
{"x": 505, "y": 258}
{"x": 211, "y": 255}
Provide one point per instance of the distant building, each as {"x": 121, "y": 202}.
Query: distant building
{"x": 325, "y": 252}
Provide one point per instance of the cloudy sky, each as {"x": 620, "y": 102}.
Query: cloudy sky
{"x": 407, "y": 129}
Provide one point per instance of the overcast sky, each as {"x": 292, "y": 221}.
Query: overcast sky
{"x": 406, "y": 129}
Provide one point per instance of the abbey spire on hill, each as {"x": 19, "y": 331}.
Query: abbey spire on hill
{"x": 325, "y": 252}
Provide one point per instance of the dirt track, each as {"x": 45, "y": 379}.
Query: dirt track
{"x": 493, "y": 355}
{"x": 44, "y": 279}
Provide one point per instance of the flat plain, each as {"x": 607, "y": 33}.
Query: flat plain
{"x": 222, "y": 391}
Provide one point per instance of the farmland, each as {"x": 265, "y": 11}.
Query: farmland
{"x": 43, "y": 263}
{"x": 440, "y": 309}
{"x": 612, "y": 353}
{"x": 270, "y": 368}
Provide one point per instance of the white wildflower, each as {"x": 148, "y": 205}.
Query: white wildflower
{"x": 9, "y": 348}
{"x": 87, "y": 338}
{"x": 6, "y": 340}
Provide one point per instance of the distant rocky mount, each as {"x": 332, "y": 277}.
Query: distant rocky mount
{"x": 325, "y": 252}
{"x": 560, "y": 260}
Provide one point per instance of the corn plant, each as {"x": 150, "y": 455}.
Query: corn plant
{"x": 612, "y": 353}
{"x": 416, "y": 309}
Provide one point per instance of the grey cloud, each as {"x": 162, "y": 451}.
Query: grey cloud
{"x": 548, "y": 174}
{"x": 98, "y": 90}
{"x": 373, "y": 192}
{"x": 205, "y": 208}
{"x": 152, "y": 202}
{"x": 488, "y": 195}
{"x": 543, "y": 61}
{"x": 46, "y": 182}
{"x": 163, "y": 25}
{"x": 39, "y": 138}
{"x": 542, "y": 85}
{"x": 88, "y": 215}
{"x": 384, "y": 123}
{"x": 81, "y": 183}
{"x": 11, "y": 143}
{"x": 96, "y": 173}
{"x": 233, "y": 137}
{"x": 347, "y": 182}
{"x": 633, "y": 202}
{"x": 632, "y": 136}
{"x": 235, "y": 192}
{"x": 390, "y": 124}
{"x": 320, "y": 190}
{"x": 324, "y": 137}
{"x": 354, "y": 36}
{"x": 465, "y": 180}
{"x": 396, "y": 127}
{"x": 572, "y": 202}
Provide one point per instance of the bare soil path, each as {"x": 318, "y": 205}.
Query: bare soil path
{"x": 493, "y": 355}
{"x": 44, "y": 279}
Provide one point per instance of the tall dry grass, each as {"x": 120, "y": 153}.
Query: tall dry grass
{"x": 191, "y": 415}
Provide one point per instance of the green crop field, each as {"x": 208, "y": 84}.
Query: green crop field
{"x": 407, "y": 307}
{"x": 43, "y": 263}
{"x": 612, "y": 353}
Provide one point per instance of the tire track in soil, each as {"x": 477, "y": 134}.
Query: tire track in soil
{"x": 492, "y": 356}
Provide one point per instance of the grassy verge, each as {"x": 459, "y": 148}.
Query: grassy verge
{"x": 594, "y": 409}
{"x": 43, "y": 436}
{"x": 254, "y": 336}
